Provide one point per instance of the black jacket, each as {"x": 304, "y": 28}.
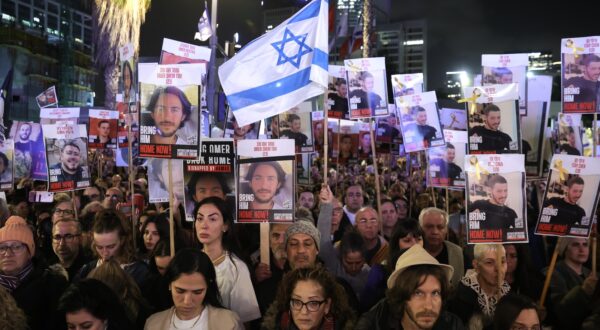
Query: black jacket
{"x": 38, "y": 297}
{"x": 381, "y": 318}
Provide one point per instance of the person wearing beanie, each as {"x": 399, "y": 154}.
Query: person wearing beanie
{"x": 35, "y": 289}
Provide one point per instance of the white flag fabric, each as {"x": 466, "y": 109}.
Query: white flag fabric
{"x": 204, "y": 28}
{"x": 280, "y": 69}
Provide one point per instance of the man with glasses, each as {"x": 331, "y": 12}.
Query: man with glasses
{"x": 69, "y": 166}
{"x": 63, "y": 211}
{"x": 367, "y": 225}
{"x": 66, "y": 243}
{"x": 35, "y": 288}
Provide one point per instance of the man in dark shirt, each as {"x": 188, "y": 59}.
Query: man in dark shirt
{"x": 69, "y": 167}
{"x": 420, "y": 132}
{"x": 584, "y": 89}
{"x": 339, "y": 100}
{"x": 494, "y": 214}
{"x": 569, "y": 148}
{"x": 294, "y": 131}
{"x": 447, "y": 171}
{"x": 365, "y": 98}
{"x": 488, "y": 137}
{"x": 568, "y": 212}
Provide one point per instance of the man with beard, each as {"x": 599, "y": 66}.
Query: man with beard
{"x": 267, "y": 275}
{"x": 266, "y": 179}
{"x": 24, "y": 152}
{"x": 170, "y": 108}
{"x": 364, "y": 98}
{"x": 418, "y": 289}
{"x": 241, "y": 132}
{"x": 568, "y": 212}
{"x": 420, "y": 132}
{"x": 584, "y": 89}
{"x": 339, "y": 100}
{"x": 447, "y": 171}
{"x": 488, "y": 137}
{"x": 69, "y": 165}
{"x": 494, "y": 213}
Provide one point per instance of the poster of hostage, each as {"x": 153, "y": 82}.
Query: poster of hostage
{"x": 158, "y": 180}
{"x": 507, "y": 69}
{"x": 66, "y": 152}
{"x": 580, "y": 71}
{"x": 169, "y": 126}
{"x": 493, "y": 115}
{"x": 30, "y": 155}
{"x": 496, "y": 204}
{"x": 266, "y": 181}
{"x": 367, "y": 96}
{"x": 213, "y": 175}
{"x": 6, "y": 164}
{"x": 103, "y": 129}
{"x": 446, "y": 163}
{"x": 421, "y": 128}
{"x": 571, "y": 197}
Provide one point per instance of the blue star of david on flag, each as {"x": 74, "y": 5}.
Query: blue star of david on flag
{"x": 289, "y": 37}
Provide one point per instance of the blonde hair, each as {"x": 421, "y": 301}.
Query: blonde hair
{"x": 480, "y": 249}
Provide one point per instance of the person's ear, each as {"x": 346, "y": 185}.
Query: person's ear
{"x": 327, "y": 306}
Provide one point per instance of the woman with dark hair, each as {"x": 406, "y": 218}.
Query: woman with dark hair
{"x": 406, "y": 234}
{"x": 307, "y": 299}
{"x": 214, "y": 230}
{"x": 154, "y": 230}
{"x": 197, "y": 302}
{"x": 128, "y": 88}
{"x": 90, "y": 304}
{"x": 516, "y": 312}
{"x": 522, "y": 277}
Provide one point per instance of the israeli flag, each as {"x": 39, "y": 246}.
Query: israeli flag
{"x": 281, "y": 69}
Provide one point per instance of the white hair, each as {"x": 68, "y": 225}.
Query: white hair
{"x": 428, "y": 210}
{"x": 480, "y": 250}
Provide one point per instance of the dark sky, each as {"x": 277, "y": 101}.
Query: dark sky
{"x": 459, "y": 31}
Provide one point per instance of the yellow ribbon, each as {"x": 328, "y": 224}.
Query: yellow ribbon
{"x": 558, "y": 165}
{"x": 397, "y": 81}
{"x": 353, "y": 67}
{"x": 478, "y": 169}
{"x": 472, "y": 100}
{"x": 571, "y": 44}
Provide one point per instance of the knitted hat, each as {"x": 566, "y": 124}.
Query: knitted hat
{"x": 303, "y": 227}
{"x": 16, "y": 229}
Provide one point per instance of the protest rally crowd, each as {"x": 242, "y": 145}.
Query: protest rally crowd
{"x": 366, "y": 215}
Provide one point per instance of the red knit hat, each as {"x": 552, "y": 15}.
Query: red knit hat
{"x": 16, "y": 229}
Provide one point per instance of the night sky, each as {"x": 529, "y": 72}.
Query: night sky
{"x": 459, "y": 31}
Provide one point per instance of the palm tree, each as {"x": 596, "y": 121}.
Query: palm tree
{"x": 115, "y": 23}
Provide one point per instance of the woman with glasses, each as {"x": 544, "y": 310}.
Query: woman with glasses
{"x": 196, "y": 299}
{"x": 214, "y": 229}
{"x": 35, "y": 288}
{"x": 309, "y": 299}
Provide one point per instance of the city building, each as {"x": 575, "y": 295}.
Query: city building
{"x": 47, "y": 42}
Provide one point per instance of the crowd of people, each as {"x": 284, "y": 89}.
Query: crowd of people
{"x": 82, "y": 262}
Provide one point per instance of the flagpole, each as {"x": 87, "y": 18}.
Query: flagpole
{"x": 325, "y": 136}
{"x": 212, "y": 74}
